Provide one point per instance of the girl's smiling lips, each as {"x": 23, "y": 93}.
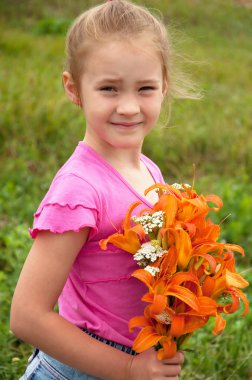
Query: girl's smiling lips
{"x": 126, "y": 124}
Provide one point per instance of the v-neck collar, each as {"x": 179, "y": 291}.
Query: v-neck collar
{"x": 119, "y": 175}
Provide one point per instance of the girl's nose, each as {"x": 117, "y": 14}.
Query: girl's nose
{"x": 128, "y": 106}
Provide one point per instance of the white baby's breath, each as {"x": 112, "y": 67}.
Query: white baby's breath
{"x": 152, "y": 270}
{"x": 150, "y": 222}
{"x": 181, "y": 186}
{"x": 148, "y": 253}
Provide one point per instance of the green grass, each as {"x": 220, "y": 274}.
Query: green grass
{"x": 39, "y": 129}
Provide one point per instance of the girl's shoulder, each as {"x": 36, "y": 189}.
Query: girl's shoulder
{"x": 76, "y": 180}
{"x": 84, "y": 163}
{"x": 73, "y": 198}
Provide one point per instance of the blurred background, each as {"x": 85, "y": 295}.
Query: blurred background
{"x": 39, "y": 129}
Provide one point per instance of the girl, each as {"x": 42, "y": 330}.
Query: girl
{"x": 119, "y": 74}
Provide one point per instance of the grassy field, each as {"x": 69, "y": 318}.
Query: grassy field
{"x": 39, "y": 129}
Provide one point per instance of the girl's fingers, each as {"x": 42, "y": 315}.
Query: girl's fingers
{"x": 172, "y": 371}
{"x": 177, "y": 359}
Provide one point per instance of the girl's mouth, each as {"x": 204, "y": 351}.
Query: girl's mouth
{"x": 127, "y": 124}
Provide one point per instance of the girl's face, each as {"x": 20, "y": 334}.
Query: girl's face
{"x": 121, "y": 92}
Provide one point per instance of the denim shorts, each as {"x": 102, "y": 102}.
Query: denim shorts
{"x": 43, "y": 367}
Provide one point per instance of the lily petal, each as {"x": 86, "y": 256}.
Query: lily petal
{"x": 177, "y": 325}
{"x": 147, "y": 338}
{"x": 220, "y": 325}
{"x": 184, "y": 295}
{"x": 138, "y": 322}
{"x": 128, "y": 242}
{"x": 144, "y": 276}
{"x": 215, "y": 199}
{"x": 168, "y": 351}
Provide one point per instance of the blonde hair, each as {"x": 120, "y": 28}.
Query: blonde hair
{"x": 121, "y": 19}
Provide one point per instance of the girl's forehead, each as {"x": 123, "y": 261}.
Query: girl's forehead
{"x": 115, "y": 55}
{"x": 139, "y": 45}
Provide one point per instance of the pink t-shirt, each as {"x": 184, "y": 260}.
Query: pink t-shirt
{"x": 99, "y": 295}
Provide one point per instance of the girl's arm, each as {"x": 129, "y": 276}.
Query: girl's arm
{"x": 33, "y": 318}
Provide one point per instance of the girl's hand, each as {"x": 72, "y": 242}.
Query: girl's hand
{"x": 146, "y": 366}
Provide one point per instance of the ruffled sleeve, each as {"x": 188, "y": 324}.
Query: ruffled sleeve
{"x": 70, "y": 204}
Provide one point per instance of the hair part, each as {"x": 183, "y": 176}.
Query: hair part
{"x": 123, "y": 20}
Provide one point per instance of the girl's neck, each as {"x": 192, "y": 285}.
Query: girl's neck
{"x": 127, "y": 162}
{"x": 119, "y": 158}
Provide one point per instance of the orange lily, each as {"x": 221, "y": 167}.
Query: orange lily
{"x": 164, "y": 189}
{"x": 191, "y": 276}
{"x": 128, "y": 240}
{"x": 168, "y": 287}
{"x": 169, "y": 204}
{"x": 205, "y": 230}
{"x": 173, "y": 325}
{"x": 168, "y": 350}
{"x": 152, "y": 334}
{"x": 182, "y": 243}
{"x": 227, "y": 283}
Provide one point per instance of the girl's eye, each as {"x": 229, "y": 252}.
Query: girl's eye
{"x": 147, "y": 88}
{"x": 108, "y": 89}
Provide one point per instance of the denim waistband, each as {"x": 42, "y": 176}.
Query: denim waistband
{"x": 120, "y": 347}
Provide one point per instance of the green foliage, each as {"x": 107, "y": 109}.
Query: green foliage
{"x": 51, "y": 26}
{"x": 235, "y": 216}
{"x": 39, "y": 129}
{"x": 226, "y": 357}
{"x": 14, "y": 244}
{"x": 236, "y": 212}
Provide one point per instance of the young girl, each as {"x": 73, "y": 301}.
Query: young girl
{"x": 119, "y": 74}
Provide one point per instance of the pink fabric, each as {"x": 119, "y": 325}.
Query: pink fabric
{"x": 99, "y": 295}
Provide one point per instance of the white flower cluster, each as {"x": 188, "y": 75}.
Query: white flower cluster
{"x": 152, "y": 270}
{"x": 148, "y": 253}
{"x": 149, "y": 222}
{"x": 179, "y": 186}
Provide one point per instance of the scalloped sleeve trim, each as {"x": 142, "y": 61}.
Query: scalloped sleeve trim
{"x": 59, "y": 218}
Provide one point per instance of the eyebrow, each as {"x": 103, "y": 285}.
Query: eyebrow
{"x": 119, "y": 80}
{"x": 153, "y": 81}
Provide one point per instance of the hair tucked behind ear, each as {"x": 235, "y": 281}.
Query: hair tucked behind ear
{"x": 121, "y": 19}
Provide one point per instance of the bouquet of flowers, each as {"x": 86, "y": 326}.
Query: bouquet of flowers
{"x": 190, "y": 276}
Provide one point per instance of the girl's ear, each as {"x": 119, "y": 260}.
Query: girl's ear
{"x": 71, "y": 88}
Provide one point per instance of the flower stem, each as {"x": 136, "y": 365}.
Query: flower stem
{"x": 198, "y": 264}
{"x": 182, "y": 341}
